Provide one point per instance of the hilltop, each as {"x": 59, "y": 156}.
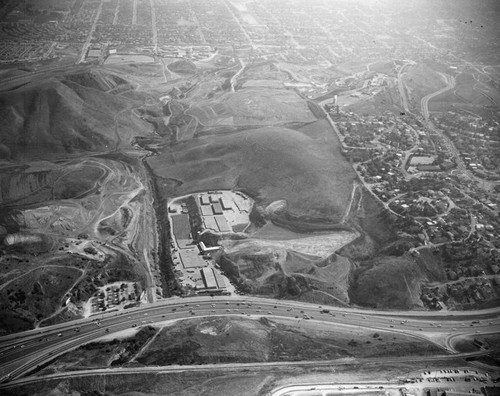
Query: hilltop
{"x": 270, "y": 163}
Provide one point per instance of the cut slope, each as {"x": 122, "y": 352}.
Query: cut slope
{"x": 96, "y": 79}
{"x": 270, "y": 164}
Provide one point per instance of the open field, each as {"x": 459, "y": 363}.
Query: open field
{"x": 228, "y": 339}
{"x": 119, "y": 58}
{"x": 472, "y": 92}
{"x": 252, "y": 107}
{"x": 314, "y": 245}
{"x": 256, "y": 381}
{"x": 419, "y": 81}
{"x": 268, "y": 107}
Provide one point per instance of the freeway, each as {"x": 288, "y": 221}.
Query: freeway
{"x": 23, "y": 352}
{"x": 8, "y": 84}
{"x": 439, "y": 360}
{"x": 424, "y": 103}
{"x": 401, "y": 87}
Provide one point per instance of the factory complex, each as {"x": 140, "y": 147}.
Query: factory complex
{"x": 192, "y": 218}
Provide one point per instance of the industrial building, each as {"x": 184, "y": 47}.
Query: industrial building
{"x": 207, "y": 249}
{"x": 217, "y": 208}
{"x": 207, "y": 274}
{"x": 222, "y": 224}
{"x": 206, "y": 210}
{"x": 225, "y": 205}
{"x": 204, "y": 200}
{"x": 210, "y": 223}
{"x": 211, "y": 279}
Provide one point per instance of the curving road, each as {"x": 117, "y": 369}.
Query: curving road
{"x": 424, "y": 102}
{"x": 23, "y": 352}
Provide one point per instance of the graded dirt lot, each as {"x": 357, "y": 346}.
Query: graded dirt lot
{"x": 69, "y": 227}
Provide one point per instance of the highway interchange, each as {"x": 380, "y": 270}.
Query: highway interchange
{"x": 24, "y": 352}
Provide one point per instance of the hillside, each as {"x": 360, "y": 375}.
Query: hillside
{"x": 67, "y": 115}
{"x": 281, "y": 272}
{"x": 420, "y": 81}
{"x": 270, "y": 164}
{"x": 392, "y": 282}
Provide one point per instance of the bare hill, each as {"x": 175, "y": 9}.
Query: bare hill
{"x": 471, "y": 94}
{"x": 392, "y": 282}
{"x": 270, "y": 164}
{"x": 420, "y": 81}
{"x": 70, "y": 115}
{"x": 96, "y": 79}
{"x": 280, "y": 272}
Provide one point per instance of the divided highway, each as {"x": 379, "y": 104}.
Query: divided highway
{"x": 23, "y": 352}
{"x": 424, "y": 102}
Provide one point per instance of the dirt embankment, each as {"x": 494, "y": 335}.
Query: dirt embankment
{"x": 169, "y": 283}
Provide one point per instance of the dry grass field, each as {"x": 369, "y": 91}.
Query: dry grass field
{"x": 472, "y": 92}
{"x": 270, "y": 164}
{"x": 235, "y": 339}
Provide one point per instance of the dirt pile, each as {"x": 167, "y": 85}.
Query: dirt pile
{"x": 273, "y": 269}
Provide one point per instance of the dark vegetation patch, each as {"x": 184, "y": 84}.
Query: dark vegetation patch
{"x": 387, "y": 68}
{"x": 183, "y": 66}
{"x": 97, "y": 80}
{"x": 102, "y": 354}
{"x": 36, "y": 294}
{"x": 388, "y": 282}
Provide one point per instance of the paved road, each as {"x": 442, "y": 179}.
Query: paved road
{"x": 20, "y": 353}
{"x": 8, "y": 84}
{"x": 401, "y": 87}
{"x": 459, "y": 386}
{"x": 424, "y": 102}
{"x": 88, "y": 41}
{"x": 440, "y": 360}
